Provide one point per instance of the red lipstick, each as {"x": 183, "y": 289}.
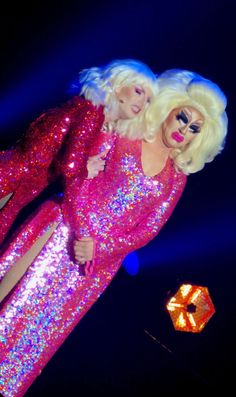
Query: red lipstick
{"x": 177, "y": 136}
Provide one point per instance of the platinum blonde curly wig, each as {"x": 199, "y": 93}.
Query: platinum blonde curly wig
{"x": 99, "y": 85}
{"x": 179, "y": 88}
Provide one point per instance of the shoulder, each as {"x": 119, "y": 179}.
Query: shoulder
{"x": 179, "y": 179}
{"x": 80, "y": 108}
{"x": 79, "y": 102}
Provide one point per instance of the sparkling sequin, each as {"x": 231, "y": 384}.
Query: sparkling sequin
{"x": 28, "y": 168}
{"x": 121, "y": 208}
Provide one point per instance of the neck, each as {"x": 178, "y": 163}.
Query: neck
{"x": 159, "y": 146}
{"x": 111, "y": 115}
{"x": 109, "y": 118}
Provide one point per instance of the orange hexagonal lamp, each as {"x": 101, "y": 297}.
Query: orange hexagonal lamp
{"x": 190, "y": 308}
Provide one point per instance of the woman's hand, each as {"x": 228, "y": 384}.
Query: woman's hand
{"x": 83, "y": 249}
{"x": 96, "y": 164}
{"x": 84, "y": 252}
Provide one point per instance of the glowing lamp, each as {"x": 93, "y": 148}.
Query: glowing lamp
{"x": 190, "y": 308}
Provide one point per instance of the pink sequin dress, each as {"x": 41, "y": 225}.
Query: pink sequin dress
{"x": 28, "y": 168}
{"x": 122, "y": 208}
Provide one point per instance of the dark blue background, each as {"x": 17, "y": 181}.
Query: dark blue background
{"x": 109, "y": 353}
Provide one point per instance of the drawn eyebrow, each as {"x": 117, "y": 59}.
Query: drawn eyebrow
{"x": 187, "y": 112}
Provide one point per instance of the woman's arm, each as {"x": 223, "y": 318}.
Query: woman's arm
{"x": 146, "y": 229}
{"x": 84, "y": 129}
{"x": 115, "y": 247}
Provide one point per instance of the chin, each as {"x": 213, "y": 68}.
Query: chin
{"x": 128, "y": 117}
{"x": 133, "y": 115}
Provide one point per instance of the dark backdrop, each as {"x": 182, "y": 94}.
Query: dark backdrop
{"x": 43, "y": 46}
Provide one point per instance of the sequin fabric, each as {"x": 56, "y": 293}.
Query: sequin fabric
{"x": 122, "y": 209}
{"x": 27, "y": 169}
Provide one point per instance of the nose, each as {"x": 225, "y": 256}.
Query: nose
{"x": 142, "y": 101}
{"x": 183, "y": 129}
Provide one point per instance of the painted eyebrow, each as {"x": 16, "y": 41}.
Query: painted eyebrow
{"x": 198, "y": 123}
{"x": 189, "y": 114}
{"x": 187, "y": 111}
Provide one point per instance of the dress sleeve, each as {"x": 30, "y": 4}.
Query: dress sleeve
{"x": 148, "y": 227}
{"x": 84, "y": 129}
{"x": 73, "y": 164}
{"x": 26, "y": 170}
{"x": 46, "y": 134}
{"x": 11, "y": 169}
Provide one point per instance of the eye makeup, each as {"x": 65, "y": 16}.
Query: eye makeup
{"x": 139, "y": 90}
{"x": 182, "y": 117}
{"x": 195, "y": 128}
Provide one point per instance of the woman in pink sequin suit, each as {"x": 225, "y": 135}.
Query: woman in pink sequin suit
{"x": 28, "y": 168}
{"x": 121, "y": 209}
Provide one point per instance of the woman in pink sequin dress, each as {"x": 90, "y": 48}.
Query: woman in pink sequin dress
{"x": 118, "y": 211}
{"x": 27, "y": 169}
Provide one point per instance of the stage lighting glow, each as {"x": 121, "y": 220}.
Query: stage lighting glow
{"x": 131, "y": 263}
{"x": 190, "y": 308}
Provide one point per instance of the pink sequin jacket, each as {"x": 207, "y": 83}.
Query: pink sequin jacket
{"x": 28, "y": 168}
{"x": 121, "y": 208}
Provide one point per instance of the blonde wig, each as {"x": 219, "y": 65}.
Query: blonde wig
{"x": 180, "y": 88}
{"x": 99, "y": 85}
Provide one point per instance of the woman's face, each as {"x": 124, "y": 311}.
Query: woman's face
{"x": 181, "y": 126}
{"x": 132, "y": 100}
